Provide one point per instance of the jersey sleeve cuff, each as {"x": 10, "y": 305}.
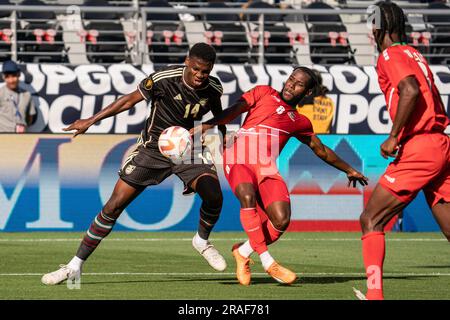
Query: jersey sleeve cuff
{"x": 142, "y": 94}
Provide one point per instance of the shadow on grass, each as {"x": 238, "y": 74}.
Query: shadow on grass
{"x": 255, "y": 281}
{"x": 434, "y": 267}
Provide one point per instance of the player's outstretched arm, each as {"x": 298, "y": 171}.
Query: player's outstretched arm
{"x": 123, "y": 103}
{"x": 330, "y": 157}
{"x": 408, "y": 92}
{"x": 225, "y": 116}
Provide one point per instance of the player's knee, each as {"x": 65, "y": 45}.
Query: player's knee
{"x": 248, "y": 200}
{"x": 281, "y": 222}
{"x": 215, "y": 199}
{"x": 209, "y": 190}
{"x": 212, "y": 196}
{"x": 112, "y": 209}
{"x": 366, "y": 222}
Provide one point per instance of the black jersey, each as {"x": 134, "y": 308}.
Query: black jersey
{"x": 174, "y": 103}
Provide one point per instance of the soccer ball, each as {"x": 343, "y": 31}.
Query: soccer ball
{"x": 175, "y": 143}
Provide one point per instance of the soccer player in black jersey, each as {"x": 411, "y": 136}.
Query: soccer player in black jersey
{"x": 180, "y": 95}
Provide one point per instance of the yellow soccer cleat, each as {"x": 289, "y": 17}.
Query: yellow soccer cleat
{"x": 281, "y": 274}
{"x": 243, "y": 272}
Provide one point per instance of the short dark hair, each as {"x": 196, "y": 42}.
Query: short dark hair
{"x": 392, "y": 20}
{"x": 203, "y": 51}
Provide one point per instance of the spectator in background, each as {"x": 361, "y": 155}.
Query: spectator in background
{"x": 318, "y": 108}
{"x": 17, "y": 109}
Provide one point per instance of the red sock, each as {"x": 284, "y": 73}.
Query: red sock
{"x": 373, "y": 246}
{"x": 251, "y": 223}
{"x": 270, "y": 233}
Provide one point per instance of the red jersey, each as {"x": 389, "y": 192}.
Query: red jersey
{"x": 270, "y": 122}
{"x": 398, "y": 62}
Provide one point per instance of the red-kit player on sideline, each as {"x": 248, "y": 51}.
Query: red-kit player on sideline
{"x": 250, "y": 166}
{"x": 417, "y": 142}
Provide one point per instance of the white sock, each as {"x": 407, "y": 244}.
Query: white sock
{"x": 199, "y": 241}
{"x": 266, "y": 259}
{"x": 76, "y": 263}
{"x": 245, "y": 249}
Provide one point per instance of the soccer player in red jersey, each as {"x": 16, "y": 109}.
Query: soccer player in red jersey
{"x": 417, "y": 142}
{"x": 250, "y": 166}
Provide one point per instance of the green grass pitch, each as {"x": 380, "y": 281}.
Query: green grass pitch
{"x": 163, "y": 265}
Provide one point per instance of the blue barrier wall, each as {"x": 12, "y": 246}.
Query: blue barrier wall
{"x": 54, "y": 182}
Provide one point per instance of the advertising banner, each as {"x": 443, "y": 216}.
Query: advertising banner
{"x": 54, "y": 182}
{"x": 66, "y": 93}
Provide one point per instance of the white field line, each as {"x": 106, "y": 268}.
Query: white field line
{"x": 216, "y": 274}
{"x": 212, "y": 239}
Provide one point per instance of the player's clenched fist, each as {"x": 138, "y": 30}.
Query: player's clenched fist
{"x": 80, "y": 126}
{"x": 389, "y": 147}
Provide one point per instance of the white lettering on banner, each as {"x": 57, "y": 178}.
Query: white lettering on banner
{"x": 118, "y": 73}
{"x": 443, "y": 87}
{"x": 87, "y": 111}
{"x": 345, "y": 115}
{"x": 131, "y": 117}
{"x": 115, "y": 80}
{"x": 43, "y": 157}
{"x": 334, "y": 97}
{"x": 229, "y": 87}
{"x": 57, "y": 75}
{"x": 147, "y": 69}
{"x": 57, "y": 108}
{"x": 374, "y": 87}
{"x": 87, "y": 73}
{"x": 327, "y": 79}
{"x": 341, "y": 81}
{"x": 42, "y": 115}
{"x": 244, "y": 77}
{"x": 38, "y": 81}
{"x": 377, "y": 109}
{"x": 278, "y": 75}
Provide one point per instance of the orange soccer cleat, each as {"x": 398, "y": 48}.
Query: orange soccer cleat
{"x": 243, "y": 272}
{"x": 281, "y": 274}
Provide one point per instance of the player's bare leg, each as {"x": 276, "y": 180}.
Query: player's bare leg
{"x": 380, "y": 209}
{"x": 208, "y": 188}
{"x": 275, "y": 220}
{"x": 251, "y": 223}
{"x": 102, "y": 225}
{"x": 279, "y": 213}
{"x": 441, "y": 212}
{"x": 253, "y": 226}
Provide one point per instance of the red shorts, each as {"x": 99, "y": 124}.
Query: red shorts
{"x": 270, "y": 188}
{"x": 423, "y": 163}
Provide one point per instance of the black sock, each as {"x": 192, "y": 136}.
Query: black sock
{"x": 209, "y": 190}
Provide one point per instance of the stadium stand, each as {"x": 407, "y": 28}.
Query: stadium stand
{"x": 5, "y": 33}
{"x": 439, "y": 35}
{"x": 39, "y": 35}
{"x": 131, "y": 31}
{"x": 328, "y": 37}
{"x": 227, "y": 34}
{"x": 104, "y": 35}
{"x": 166, "y": 36}
{"x": 276, "y": 37}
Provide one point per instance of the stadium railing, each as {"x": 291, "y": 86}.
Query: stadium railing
{"x": 429, "y": 37}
